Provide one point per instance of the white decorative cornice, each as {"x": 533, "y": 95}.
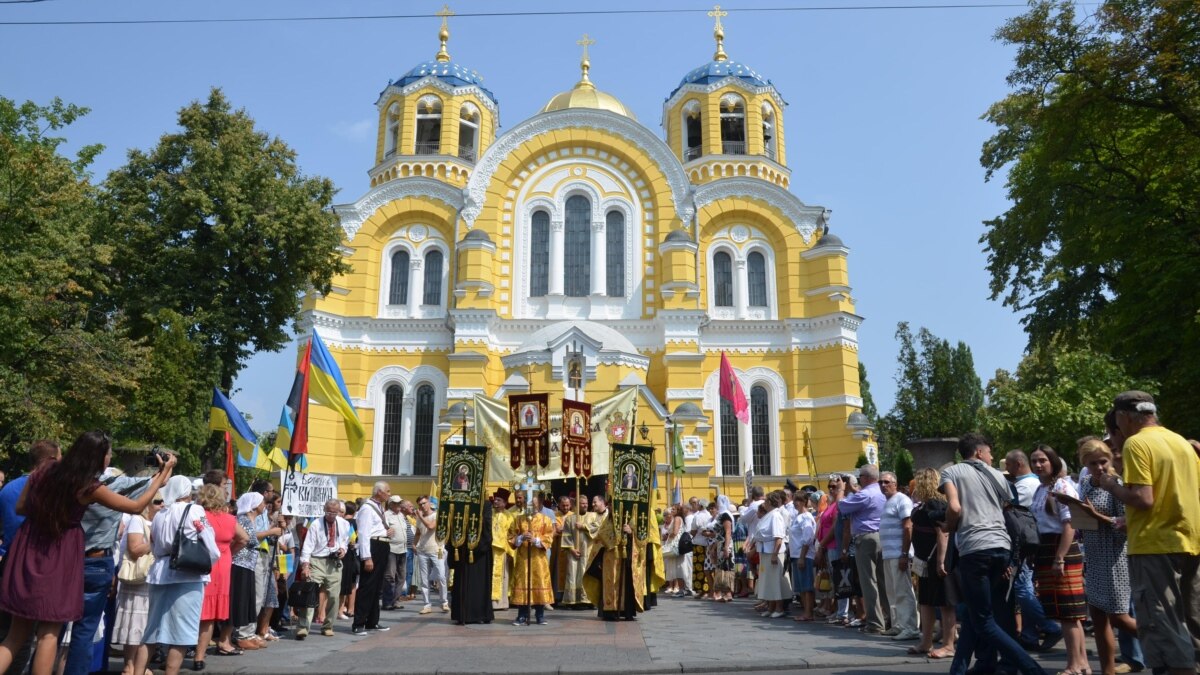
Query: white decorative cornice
{"x": 354, "y": 215}
{"x": 442, "y": 86}
{"x": 731, "y": 80}
{"x": 804, "y": 218}
{"x": 602, "y": 120}
{"x": 687, "y": 394}
{"x": 844, "y": 400}
{"x": 825, "y": 252}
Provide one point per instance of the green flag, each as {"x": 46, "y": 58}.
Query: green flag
{"x": 676, "y": 450}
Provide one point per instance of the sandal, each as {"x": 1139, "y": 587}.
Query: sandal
{"x": 917, "y": 650}
{"x": 942, "y": 653}
{"x": 801, "y": 619}
{"x": 236, "y": 651}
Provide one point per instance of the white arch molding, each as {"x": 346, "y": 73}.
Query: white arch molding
{"x": 409, "y": 381}
{"x": 354, "y": 215}
{"x": 776, "y": 397}
{"x": 805, "y": 219}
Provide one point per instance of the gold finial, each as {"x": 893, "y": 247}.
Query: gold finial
{"x": 719, "y": 33}
{"x": 444, "y": 34}
{"x": 584, "y": 64}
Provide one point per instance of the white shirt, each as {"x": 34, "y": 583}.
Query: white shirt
{"x": 1052, "y": 522}
{"x": 801, "y": 533}
{"x": 896, "y": 510}
{"x": 1026, "y": 485}
{"x": 700, "y": 522}
{"x": 162, "y": 543}
{"x": 750, "y": 520}
{"x": 316, "y": 542}
{"x": 370, "y": 526}
{"x": 427, "y": 542}
{"x": 399, "y": 526}
{"x": 769, "y": 528}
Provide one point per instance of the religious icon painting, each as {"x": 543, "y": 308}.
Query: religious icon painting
{"x": 529, "y": 430}
{"x": 460, "y": 511}
{"x": 631, "y": 483}
{"x": 577, "y": 438}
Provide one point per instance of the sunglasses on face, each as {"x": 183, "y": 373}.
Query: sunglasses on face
{"x": 158, "y": 502}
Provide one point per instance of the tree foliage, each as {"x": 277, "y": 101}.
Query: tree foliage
{"x": 938, "y": 391}
{"x": 1056, "y": 396}
{"x": 1099, "y": 139}
{"x": 66, "y": 364}
{"x": 217, "y": 225}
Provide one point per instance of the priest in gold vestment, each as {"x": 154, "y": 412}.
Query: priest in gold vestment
{"x": 502, "y": 552}
{"x": 530, "y": 536}
{"x": 616, "y": 572}
{"x": 579, "y": 529}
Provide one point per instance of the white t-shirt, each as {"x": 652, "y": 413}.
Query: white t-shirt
{"x": 701, "y": 521}
{"x": 800, "y": 534}
{"x": 769, "y": 528}
{"x": 891, "y": 525}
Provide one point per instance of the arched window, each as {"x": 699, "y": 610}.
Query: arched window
{"x": 760, "y": 431}
{"x": 768, "y": 126}
{"x": 393, "y": 411}
{"x": 729, "y": 441}
{"x": 733, "y": 125}
{"x": 393, "y": 130}
{"x": 433, "y": 278}
{"x": 756, "y": 270}
{"x": 693, "y": 132}
{"x": 615, "y": 239}
{"x": 539, "y": 250}
{"x": 722, "y": 279}
{"x": 423, "y": 445}
{"x": 429, "y": 126}
{"x": 398, "y": 293}
{"x": 468, "y": 132}
{"x": 577, "y": 271}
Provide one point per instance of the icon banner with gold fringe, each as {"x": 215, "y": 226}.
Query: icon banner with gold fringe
{"x": 632, "y": 483}
{"x": 529, "y": 425}
{"x": 460, "y": 511}
{"x": 577, "y": 438}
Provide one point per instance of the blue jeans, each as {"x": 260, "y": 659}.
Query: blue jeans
{"x": 1131, "y": 646}
{"x": 539, "y": 612}
{"x": 1033, "y": 616}
{"x": 97, "y": 582}
{"x": 983, "y": 586}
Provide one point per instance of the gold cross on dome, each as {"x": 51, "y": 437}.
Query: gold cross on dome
{"x": 445, "y": 12}
{"x": 444, "y": 34}
{"x": 719, "y": 32}
{"x": 584, "y": 64}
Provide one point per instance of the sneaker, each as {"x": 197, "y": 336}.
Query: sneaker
{"x": 1122, "y": 668}
{"x": 776, "y": 615}
{"x": 870, "y": 630}
{"x": 301, "y": 633}
{"x": 891, "y": 632}
{"x": 358, "y": 631}
{"x": 543, "y": 622}
{"x": 854, "y": 623}
{"x": 327, "y": 632}
{"x": 343, "y": 617}
{"x": 906, "y": 635}
{"x": 379, "y": 629}
{"x": 426, "y": 610}
{"x": 445, "y": 607}
{"x": 520, "y": 622}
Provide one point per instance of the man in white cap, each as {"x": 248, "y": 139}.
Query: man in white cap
{"x": 393, "y": 579}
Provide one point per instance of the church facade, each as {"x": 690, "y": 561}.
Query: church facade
{"x": 581, "y": 253}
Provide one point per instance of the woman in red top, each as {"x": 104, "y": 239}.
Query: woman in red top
{"x": 230, "y": 538}
{"x": 43, "y": 577}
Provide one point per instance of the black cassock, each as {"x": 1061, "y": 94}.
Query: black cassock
{"x": 471, "y": 592}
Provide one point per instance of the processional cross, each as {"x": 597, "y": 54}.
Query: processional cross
{"x": 529, "y": 486}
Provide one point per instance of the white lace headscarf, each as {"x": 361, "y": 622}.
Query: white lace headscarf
{"x": 177, "y": 487}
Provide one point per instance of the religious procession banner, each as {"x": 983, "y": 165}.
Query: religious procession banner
{"x": 577, "y": 438}
{"x": 529, "y": 425}
{"x": 613, "y": 415}
{"x": 632, "y": 483}
{"x": 460, "y": 508}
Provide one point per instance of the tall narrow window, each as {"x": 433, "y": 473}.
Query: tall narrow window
{"x": 693, "y": 132}
{"x": 393, "y": 130}
{"x": 429, "y": 126}
{"x": 756, "y": 269}
{"x": 398, "y": 292}
{"x": 468, "y": 132}
{"x": 733, "y": 125}
{"x": 722, "y": 279}
{"x": 615, "y": 239}
{"x": 539, "y": 254}
{"x": 760, "y": 431}
{"x": 433, "y": 278}
{"x": 729, "y": 441}
{"x": 423, "y": 446}
{"x": 577, "y": 272}
{"x": 393, "y": 412}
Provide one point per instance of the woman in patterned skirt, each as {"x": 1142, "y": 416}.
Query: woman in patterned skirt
{"x": 1058, "y": 567}
{"x": 1107, "y": 572}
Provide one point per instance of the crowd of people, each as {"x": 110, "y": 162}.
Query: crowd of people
{"x": 966, "y": 563}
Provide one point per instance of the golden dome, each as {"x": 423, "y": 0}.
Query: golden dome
{"x": 585, "y": 94}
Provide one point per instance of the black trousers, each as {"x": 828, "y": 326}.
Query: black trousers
{"x": 370, "y": 586}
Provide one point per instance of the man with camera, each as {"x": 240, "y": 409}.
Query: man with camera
{"x": 100, "y": 534}
{"x": 321, "y": 561}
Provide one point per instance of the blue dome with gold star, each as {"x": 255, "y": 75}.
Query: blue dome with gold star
{"x": 453, "y": 74}
{"x": 714, "y": 71}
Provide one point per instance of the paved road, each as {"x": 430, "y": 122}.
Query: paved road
{"x": 679, "y": 636}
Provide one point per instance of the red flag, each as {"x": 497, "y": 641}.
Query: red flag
{"x": 229, "y": 465}
{"x": 298, "y": 402}
{"x": 731, "y": 390}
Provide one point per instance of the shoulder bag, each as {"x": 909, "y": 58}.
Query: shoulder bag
{"x": 1018, "y": 520}
{"x": 189, "y": 555}
{"x": 134, "y": 572}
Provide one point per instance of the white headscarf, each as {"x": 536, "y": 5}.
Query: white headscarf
{"x": 248, "y": 502}
{"x": 175, "y": 489}
{"x": 725, "y": 506}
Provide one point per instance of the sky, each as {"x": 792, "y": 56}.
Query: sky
{"x": 883, "y": 124}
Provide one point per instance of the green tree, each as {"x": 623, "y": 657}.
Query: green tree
{"x": 864, "y": 387}
{"x": 1098, "y": 142}
{"x": 66, "y": 363}
{"x": 938, "y": 391}
{"x": 1056, "y": 396}
{"x": 217, "y": 225}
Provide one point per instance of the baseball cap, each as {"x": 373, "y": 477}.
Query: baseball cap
{"x": 395, "y": 499}
{"x": 1135, "y": 401}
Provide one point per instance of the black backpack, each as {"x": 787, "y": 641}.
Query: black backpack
{"x": 1018, "y": 520}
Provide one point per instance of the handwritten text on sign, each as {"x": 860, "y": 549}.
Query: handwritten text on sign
{"x": 305, "y": 494}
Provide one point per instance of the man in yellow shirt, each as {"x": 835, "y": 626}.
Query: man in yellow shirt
{"x": 1162, "y": 496}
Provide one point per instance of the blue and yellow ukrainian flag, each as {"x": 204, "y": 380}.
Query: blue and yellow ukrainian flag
{"x": 327, "y": 387}
{"x": 283, "y": 441}
{"x": 225, "y": 417}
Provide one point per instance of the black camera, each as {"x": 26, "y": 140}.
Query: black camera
{"x": 156, "y": 458}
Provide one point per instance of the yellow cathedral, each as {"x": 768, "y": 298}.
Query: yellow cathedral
{"x": 579, "y": 254}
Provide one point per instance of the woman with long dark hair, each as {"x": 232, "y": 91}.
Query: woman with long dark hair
{"x": 43, "y": 576}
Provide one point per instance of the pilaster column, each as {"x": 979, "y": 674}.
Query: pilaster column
{"x": 416, "y": 285}
{"x": 741, "y": 288}
{"x": 599, "y": 269}
{"x": 745, "y": 447}
{"x": 407, "y": 415}
{"x": 557, "y": 246}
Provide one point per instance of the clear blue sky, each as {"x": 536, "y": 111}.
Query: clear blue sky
{"x": 883, "y": 124}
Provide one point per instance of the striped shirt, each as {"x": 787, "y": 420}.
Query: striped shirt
{"x": 891, "y": 525}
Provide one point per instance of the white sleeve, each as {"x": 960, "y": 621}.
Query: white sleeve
{"x": 307, "y": 549}
{"x": 363, "y": 518}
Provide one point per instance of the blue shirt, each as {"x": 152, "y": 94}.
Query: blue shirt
{"x": 864, "y": 508}
{"x": 9, "y": 495}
